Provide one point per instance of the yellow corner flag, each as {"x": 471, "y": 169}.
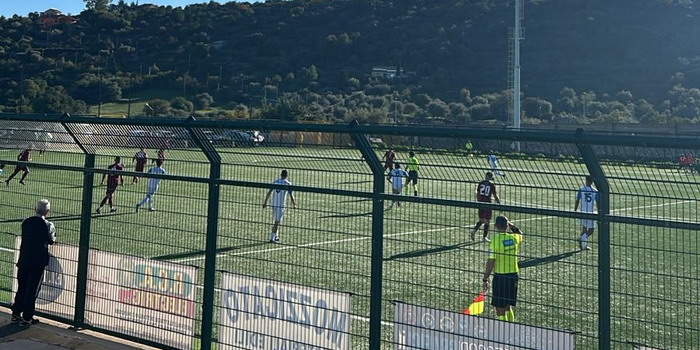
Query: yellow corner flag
{"x": 476, "y": 307}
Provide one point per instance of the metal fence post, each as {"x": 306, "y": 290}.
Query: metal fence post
{"x": 84, "y": 248}
{"x": 85, "y": 224}
{"x": 604, "y": 289}
{"x": 212, "y": 232}
{"x": 375, "y": 308}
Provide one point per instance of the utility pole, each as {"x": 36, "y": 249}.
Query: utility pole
{"x": 218, "y": 81}
{"x": 99, "y": 94}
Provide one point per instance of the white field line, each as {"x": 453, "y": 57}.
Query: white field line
{"x": 393, "y": 235}
{"x": 7, "y": 250}
{"x": 320, "y": 243}
{"x": 656, "y": 205}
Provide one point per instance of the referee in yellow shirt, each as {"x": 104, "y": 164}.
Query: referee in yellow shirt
{"x": 412, "y": 167}
{"x": 503, "y": 262}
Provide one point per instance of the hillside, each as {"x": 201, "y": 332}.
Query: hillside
{"x": 636, "y": 60}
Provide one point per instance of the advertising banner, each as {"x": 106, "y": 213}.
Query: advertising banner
{"x": 423, "y": 328}
{"x": 268, "y": 315}
{"x": 145, "y": 298}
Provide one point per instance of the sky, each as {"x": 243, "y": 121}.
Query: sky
{"x": 8, "y": 8}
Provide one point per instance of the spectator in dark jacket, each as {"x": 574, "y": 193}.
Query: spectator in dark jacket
{"x": 37, "y": 234}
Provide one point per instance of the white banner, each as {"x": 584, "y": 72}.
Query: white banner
{"x": 268, "y": 315}
{"x": 145, "y": 298}
{"x": 57, "y": 293}
{"x": 417, "y": 327}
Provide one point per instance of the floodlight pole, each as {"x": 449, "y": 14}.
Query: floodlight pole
{"x": 517, "y": 37}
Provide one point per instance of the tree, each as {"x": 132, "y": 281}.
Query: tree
{"x": 438, "y": 109}
{"x": 203, "y": 101}
{"x": 157, "y": 107}
{"x": 56, "y": 100}
{"x": 537, "y": 108}
{"x": 181, "y": 106}
{"x": 97, "y": 5}
{"x": 95, "y": 89}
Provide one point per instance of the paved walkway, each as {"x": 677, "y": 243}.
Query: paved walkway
{"x": 50, "y": 335}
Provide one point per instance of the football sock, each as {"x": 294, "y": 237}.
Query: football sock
{"x": 510, "y": 316}
{"x": 486, "y": 230}
{"x": 478, "y": 224}
{"x": 502, "y": 318}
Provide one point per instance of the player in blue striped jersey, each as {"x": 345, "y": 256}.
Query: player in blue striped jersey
{"x": 587, "y": 200}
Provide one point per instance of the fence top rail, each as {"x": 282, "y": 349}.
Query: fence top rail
{"x": 578, "y": 137}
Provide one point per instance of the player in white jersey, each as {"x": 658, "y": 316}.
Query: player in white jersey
{"x": 279, "y": 197}
{"x": 152, "y": 185}
{"x": 587, "y": 200}
{"x": 493, "y": 161}
{"x": 396, "y": 178}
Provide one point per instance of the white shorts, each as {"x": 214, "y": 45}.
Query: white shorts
{"x": 588, "y": 223}
{"x": 277, "y": 213}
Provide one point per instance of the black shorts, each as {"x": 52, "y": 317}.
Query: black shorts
{"x": 485, "y": 214}
{"x": 505, "y": 290}
{"x": 413, "y": 176}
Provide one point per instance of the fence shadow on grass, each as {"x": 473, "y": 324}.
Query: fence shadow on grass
{"x": 423, "y": 252}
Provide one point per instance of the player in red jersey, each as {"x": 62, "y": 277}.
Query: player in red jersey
{"x": 114, "y": 179}
{"x": 141, "y": 158}
{"x": 484, "y": 191}
{"x": 161, "y": 155}
{"x": 389, "y": 158}
{"x": 25, "y": 156}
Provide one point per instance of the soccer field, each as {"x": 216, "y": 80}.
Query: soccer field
{"x": 429, "y": 259}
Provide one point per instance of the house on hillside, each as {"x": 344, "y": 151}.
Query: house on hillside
{"x": 385, "y": 72}
{"x": 390, "y": 73}
{"x": 52, "y": 17}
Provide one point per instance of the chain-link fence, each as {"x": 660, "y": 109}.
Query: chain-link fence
{"x": 184, "y": 251}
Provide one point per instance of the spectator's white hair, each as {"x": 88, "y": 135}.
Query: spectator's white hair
{"x": 43, "y": 206}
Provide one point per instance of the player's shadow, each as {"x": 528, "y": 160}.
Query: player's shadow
{"x": 93, "y": 215}
{"x": 66, "y": 217}
{"x": 202, "y": 252}
{"x": 10, "y": 329}
{"x": 545, "y": 260}
{"x": 354, "y": 215}
{"x": 424, "y": 252}
{"x": 355, "y": 182}
{"x": 356, "y": 200}
{"x": 7, "y": 221}
{"x": 81, "y": 186}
